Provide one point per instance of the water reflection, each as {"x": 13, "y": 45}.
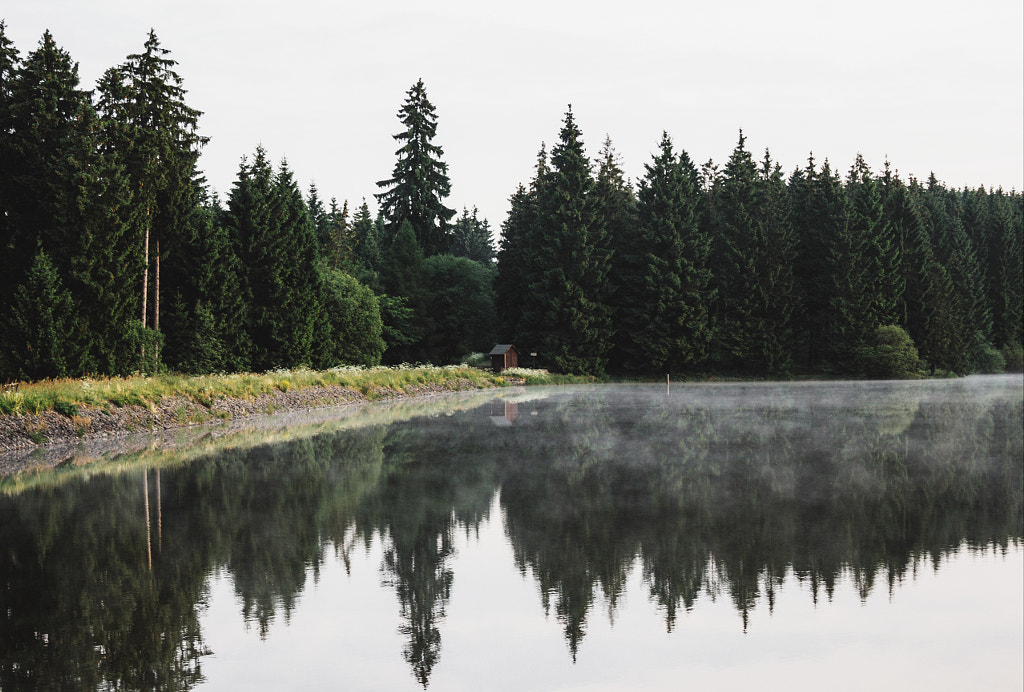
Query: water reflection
{"x": 719, "y": 492}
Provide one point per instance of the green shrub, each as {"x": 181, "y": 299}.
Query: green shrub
{"x": 985, "y": 358}
{"x": 65, "y": 408}
{"x": 890, "y": 353}
{"x": 1013, "y": 356}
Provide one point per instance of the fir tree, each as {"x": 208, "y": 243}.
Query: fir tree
{"x": 574, "y": 260}
{"x": 471, "y": 238}
{"x": 664, "y": 307}
{"x": 154, "y": 135}
{"x": 519, "y": 306}
{"x": 41, "y": 327}
{"x": 64, "y": 194}
{"x": 364, "y": 231}
{"x": 419, "y": 182}
{"x": 734, "y": 251}
{"x": 617, "y": 206}
{"x": 1007, "y": 243}
{"x": 408, "y": 322}
{"x": 277, "y": 246}
{"x": 341, "y": 240}
{"x": 205, "y": 317}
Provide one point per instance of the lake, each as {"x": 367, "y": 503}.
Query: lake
{"x": 609, "y": 537}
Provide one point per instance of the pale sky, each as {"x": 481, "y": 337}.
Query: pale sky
{"x": 932, "y": 85}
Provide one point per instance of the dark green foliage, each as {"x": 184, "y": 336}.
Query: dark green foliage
{"x": 880, "y": 255}
{"x": 617, "y": 205}
{"x": 408, "y": 322}
{"x": 462, "y": 305}
{"x": 205, "y": 316}
{"x": 102, "y": 209}
{"x": 1013, "y": 356}
{"x": 419, "y": 182}
{"x": 574, "y": 324}
{"x": 61, "y": 192}
{"x": 349, "y": 331}
{"x": 754, "y": 251}
{"x": 41, "y": 327}
{"x": 368, "y": 248}
{"x": 1006, "y": 237}
{"x": 153, "y": 134}
{"x": 889, "y": 354}
{"x": 986, "y": 358}
{"x": 471, "y": 238}
{"x": 517, "y": 269}
{"x": 664, "y": 306}
{"x": 276, "y": 245}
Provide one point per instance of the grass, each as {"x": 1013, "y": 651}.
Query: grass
{"x": 67, "y": 395}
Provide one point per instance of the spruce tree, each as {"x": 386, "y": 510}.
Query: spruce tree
{"x": 819, "y": 214}
{"x": 1006, "y": 234}
{"x": 63, "y": 193}
{"x": 154, "y": 134}
{"x": 340, "y": 251}
{"x": 408, "y": 320}
{"x": 41, "y": 327}
{"x": 204, "y": 321}
{"x": 367, "y": 243}
{"x": 276, "y": 244}
{"x": 617, "y": 206}
{"x": 511, "y": 285}
{"x": 471, "y": 238}
{"x": 574, "y": 260}
{"x": 419, "y": 182}
{"x": 664, "y": 305}
{"x": 776, "y": 293}
{"x": 929, "y": 305}
{"x": 734, "y": 251}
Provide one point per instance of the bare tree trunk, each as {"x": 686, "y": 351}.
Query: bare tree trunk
{"x": 145, "y": 287}
{"x": 149, "y": 542}
{"x": 156, "y": 309}
{"x": 159, "y": 515}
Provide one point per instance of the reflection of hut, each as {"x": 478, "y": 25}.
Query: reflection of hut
{"x": 503, "y": 357}
{"x": 504, "y": 413}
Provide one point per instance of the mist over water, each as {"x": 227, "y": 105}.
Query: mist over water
{"x": 564, "y": 536}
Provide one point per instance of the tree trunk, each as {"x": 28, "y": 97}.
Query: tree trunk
{"x": 145, "y": 288}
{"x": 156, "y": 309}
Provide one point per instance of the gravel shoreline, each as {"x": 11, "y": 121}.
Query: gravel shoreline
{"x": 31, "y": 431}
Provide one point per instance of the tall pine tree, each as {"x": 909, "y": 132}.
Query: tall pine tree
{"x": 419, "y": 183}
{"x": 154, "y": 134}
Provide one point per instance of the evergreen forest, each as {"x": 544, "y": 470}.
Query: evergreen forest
{"x": 118, "y": 259}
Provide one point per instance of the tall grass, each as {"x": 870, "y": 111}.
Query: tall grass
{"x": 373, "y": 383}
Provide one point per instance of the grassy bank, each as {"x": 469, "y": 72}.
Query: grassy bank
{"x": 65, "y": 396}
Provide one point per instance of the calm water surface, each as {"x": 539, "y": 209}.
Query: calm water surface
{"x": 593, "y": 538}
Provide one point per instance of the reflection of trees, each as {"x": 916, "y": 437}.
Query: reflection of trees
{"x": 81, "y": 607}
{"x": 720, "y": 492}
{"x": 94, "y": 596}
{"x": 729, "y": 497}
{"x": 434, "y": 483}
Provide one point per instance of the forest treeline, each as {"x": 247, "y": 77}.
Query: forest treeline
{"x": 118, "y": 258}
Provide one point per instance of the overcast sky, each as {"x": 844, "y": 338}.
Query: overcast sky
{"x": 932, "y": 85}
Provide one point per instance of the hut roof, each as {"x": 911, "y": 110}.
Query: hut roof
{"x": 500, "y": 349}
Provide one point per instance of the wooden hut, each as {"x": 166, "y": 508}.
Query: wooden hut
{"x": 504, "y": 356}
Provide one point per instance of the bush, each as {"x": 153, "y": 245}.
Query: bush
{"x": 889, "y": 354}
{"x": 988, "y": 359}
{"x": 1013, "y": 356}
